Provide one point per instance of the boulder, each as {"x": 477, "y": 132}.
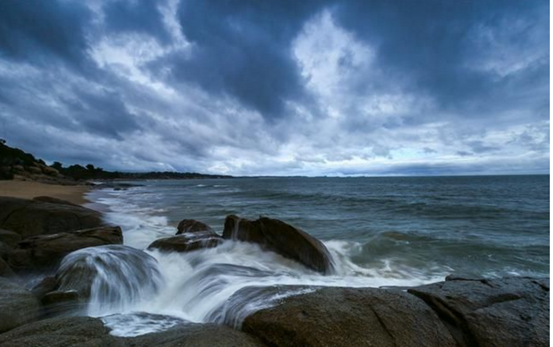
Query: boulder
{"x": 495, "y": 312}
{"x": 192, "y": 226}
{"x": 187, "y": 242}
{"x": 46, "y": 251}
{"x": 281, "y": 238}
{"x": 18, "y": 306}
{"x": 346, "y": 317}
{"x": 35, "y": 217}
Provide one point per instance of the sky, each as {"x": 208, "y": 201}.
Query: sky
{"x": 337, "y": 88}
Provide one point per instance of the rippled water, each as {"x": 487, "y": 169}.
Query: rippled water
{"x": 380, "y": 231}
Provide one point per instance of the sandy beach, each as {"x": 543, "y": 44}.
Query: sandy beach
{"x": 29, "y": 190}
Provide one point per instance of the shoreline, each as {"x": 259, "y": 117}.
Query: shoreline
{"x": 75, "y": 194}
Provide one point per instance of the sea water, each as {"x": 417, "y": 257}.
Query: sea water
{"x": 380, "y": 232}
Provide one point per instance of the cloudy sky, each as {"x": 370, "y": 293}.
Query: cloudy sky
{"x": 279, "y": 87}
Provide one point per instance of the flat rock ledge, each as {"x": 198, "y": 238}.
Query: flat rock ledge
{"x": 457, "y": 312}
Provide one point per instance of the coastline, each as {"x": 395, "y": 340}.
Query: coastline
{"x": 31, "y": 189}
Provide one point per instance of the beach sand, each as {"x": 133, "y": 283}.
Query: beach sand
{"x": 29, "y": 190}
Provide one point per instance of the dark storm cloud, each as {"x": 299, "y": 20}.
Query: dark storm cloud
{"x": 38, "y": 31}
{"x": 378, "y": 87}
{"x": 135, "y": 17}
{"x": 430, "y": 43}
{"x": 243, "y": 49}
{"x": 102, "y": 113}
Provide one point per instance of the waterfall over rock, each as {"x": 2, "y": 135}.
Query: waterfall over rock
{"x": 113, "y": 277}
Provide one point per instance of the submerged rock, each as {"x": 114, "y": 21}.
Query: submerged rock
{"x": 346, "y": 317}
{"x": 496, "y": 312}
{"x": 36, "y": 217}
{"x": 18, "y": 306}
{"x": 192, "y": 226}
{"x": 47, "y": 250}
{"x": 281, "y": 238}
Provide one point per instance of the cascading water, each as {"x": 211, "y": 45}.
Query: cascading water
{"x": 137, "y": 291}
{"x": 115, "y": 277}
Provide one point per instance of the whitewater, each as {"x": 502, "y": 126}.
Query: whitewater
{"x": 137, "y": 291}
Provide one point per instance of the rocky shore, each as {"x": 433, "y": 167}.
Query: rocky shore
{"x": 46, "y": 246}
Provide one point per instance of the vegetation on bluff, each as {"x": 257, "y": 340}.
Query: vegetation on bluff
{"x": 17, "y": 164}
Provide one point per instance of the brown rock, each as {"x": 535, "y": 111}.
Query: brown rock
{"x": 9, "y": 238}
{"x": 32, "y": 217}
{"x": 281, "y": 238}
{"x": 88, "y": 331}
{"x": 192, "y": 226}
{"x": 337, "y": 317}
{"x": 187, "y": 242}
{"x": 499, "y": 312}
{"x": 47, "y": 250}
{"x": 18, "y": 306}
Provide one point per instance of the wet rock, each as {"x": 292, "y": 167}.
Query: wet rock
{"x": 54, "y": 200}
{"x": 87, "y": 331}
{"x": 192, "y": 226}
{"x": 347, "y": 317}
{"x": 5, "y": 251}
{"x": 46, "y": 285}
{"x": 496, "y": 312}
{"x": 9, "y": 238}
{"x": 61, "y": 303}
{"x": 33, "y": 217}
{"x": 187, "y": 242}
{"x": 5, "y": 270}
{"x": 196, "y": 335}
{"x": 18, "y": 306}
{"x": 61, "y": 332}
{"x": 46, "y": 251}
{"x": 280, "y": 238}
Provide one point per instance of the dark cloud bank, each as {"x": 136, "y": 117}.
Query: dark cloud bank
{"x": 279, "y": 87}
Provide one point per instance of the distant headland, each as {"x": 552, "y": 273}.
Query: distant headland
{"x": 16, "y": 164}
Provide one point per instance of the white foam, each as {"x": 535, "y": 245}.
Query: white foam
{"x": 195, "y": 286}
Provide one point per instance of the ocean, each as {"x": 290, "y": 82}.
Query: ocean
{"x": 396, "y": 231}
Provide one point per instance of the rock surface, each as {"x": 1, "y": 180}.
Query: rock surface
{"x": 281, "y": 238}
{"x": 18, "y": 306}
{"x": 86, "y": 331}
{"x": 187, "y": 242}
{"x": 35, "y": 217}
{"x": 497, "y": 312}
{"x": 348, "y": 317}
{"x": 9, "y": 238}
{"x": 46, "y": 251}
{"x": 192, "y": 226}
{"x": 58, "y": 332}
